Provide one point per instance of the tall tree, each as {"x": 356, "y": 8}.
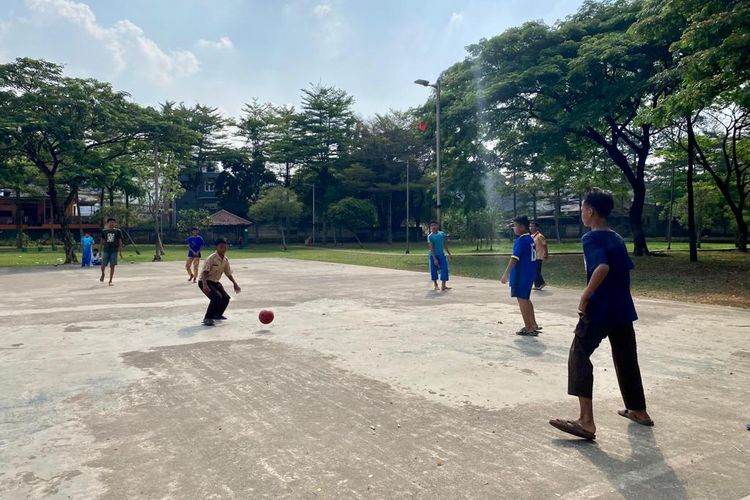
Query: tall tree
{"x": 65, "y": 127}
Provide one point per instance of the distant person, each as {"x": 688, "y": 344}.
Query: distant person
{"x": 438, "y": 260}
{"x": 214, "y": 267}
{"x": 194, "y": 243}
{"x": 540, "y": 245}
{"x": 606, "y": 309}
{"x": 87, "y": 243}
{"x": 111, "y": 246}
{"x": 521, "y": 272}
{"x": 96, "y": 259}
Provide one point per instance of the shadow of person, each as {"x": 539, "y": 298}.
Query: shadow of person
{"x": 645, "y": 474}
{"x": 190, "y": 331}
{"x": 530, "y": 346}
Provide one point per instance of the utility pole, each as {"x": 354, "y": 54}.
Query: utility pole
{"x": 313, "y": 214}
{"x": 407, "y": 207}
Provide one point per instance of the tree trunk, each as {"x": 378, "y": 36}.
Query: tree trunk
{"x": 690, "y": 192}
{"x": 580, "y": 211}
{"x": 558, "y": 207}
{"x": 390, "y": 218}
{"x": 325, "y": 231}
{"x": 111, "y": 196}
{"x": 257, "y": 233}
{"x": 19, "y": 220}
{"x": 101, "y": 207}
{"x": 356, "y": 237}
{"x": 283, "y": 237}
{"x": 636, "y": 219}
{"x": 127, "y": 212}
{"x": 533, "y": 200}
{"x": 60, "y": 216}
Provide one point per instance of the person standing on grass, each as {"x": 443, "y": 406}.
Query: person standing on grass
{"x": 606, "y": 309}
{"x": 540, "y": 244}
{"x": 194, "y": 243}
{"x": 111, "y": 246}
{"x": 521, "y": 272}
{"x": 87, "y": 242}
{"x": 438, "y": 260}
{"x": 214, "y": 267}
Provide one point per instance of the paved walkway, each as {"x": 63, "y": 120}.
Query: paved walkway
{"x": 367, "y": 385}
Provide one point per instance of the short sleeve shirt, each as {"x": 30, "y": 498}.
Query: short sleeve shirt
{"x": 86, "y": 242}
{"x": 438, "y": 242}
{"x": 611, "y": 303}
{"x": 111, "y": 239}
{"x": 215, "y": 266}
{"x": 195, "y": 243}
{"x": 524, "y": 272}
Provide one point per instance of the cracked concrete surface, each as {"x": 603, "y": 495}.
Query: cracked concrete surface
{"x": 367, "y": 385}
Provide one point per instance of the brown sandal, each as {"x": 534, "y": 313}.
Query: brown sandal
{"x": 573, "y": 428}
{"x": 629, "y": 415}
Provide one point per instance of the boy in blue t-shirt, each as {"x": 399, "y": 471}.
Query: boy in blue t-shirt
{"x": 522, "y": 272}
{"x": 87, "y": 242}
{"x": 606, "y": 310}
{"x": 195, "y": 243}
{"x": 438, "y": 261}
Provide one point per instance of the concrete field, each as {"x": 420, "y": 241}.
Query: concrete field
{"x": 367, "y": 385}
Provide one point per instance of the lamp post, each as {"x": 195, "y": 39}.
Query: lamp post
{"x": 436, "y": 86}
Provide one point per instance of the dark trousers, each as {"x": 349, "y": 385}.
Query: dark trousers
{"x": 219, "y": 299}
{"x": 539, "y": 280}
{"x": 624, "y": 354}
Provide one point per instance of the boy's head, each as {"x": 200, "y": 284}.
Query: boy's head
{"x": 111, "y": 223}
{"x": 86, "y": 234}
{"x": 434, "y": 227}
{"x": 597, "y": 205}
{"x": 96, "y": 251}
{"x": 533, "y": 227}
{"x": 221, "y": 246}
{"x": 520, "y": 225}
{"x": 194, "y": 231}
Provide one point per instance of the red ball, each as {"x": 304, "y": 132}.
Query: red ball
{"x": 265, "y": 316}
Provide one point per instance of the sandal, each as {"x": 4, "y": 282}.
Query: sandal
{"x": 629, "y": 415}
{"x": 573, "y": 428}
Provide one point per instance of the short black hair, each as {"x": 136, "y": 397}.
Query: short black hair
{"x": 193, "y": 228}
{"x": 522, "y": 220}
{"x": 434, "y": 222}
{"x": 533, "y": 222}
{"x": 111, "y": 219}
{"x": 219, "y": 241}
{"x": 601, "y": 201}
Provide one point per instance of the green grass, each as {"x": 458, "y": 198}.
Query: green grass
{"x": 718, "y": 277}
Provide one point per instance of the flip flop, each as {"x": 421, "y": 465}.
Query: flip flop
{"x": 573, "y": 428}
{"x": 627, "y": 414}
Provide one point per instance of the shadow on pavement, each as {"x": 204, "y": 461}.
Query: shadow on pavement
{"x": 191, "y": 331}
{"x": 530, "y": 346}
{"x": 645, "y": 474}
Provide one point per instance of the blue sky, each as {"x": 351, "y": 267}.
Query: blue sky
{"x": 225, "y": 52}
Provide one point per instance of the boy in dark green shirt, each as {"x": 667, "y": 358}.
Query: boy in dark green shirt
{"x": 111, "y": 246}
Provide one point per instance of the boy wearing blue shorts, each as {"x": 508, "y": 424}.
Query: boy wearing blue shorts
{"x": 521, "y": 272}
{"x": 606, "y": 310}
{"x": 438, "y": 261}
{"x": 194, "y": 243}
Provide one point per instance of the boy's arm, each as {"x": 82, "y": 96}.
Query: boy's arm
{"x": 511, "y": 264}
{"x": 597, "y": 277}
{"x": 432, "y": 250}
{"x": 228, "y": 274}
{"x": 447, "y": 250}
{"x": 122, "y": 243}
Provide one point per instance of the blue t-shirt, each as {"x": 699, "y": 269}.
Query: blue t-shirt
{"x": 611, "y": 302}
{"x": 524, "y": 272}
{"x": 195, "y": 243}
{"x": 86, "y": 243}
{"x": 438, "y": 242}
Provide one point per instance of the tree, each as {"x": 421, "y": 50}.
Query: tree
{"x": 353, "y": 214}
{"x": 241, "y": 180}
{"x": 278, "y": 205}
{"x": 189, "y": 218}
{"x": 65, "y": 127}
{"x": 20, "y": 176}
{"x": 708, "y": 210}
{"x": 586, "y": 79}
{"x": 286, "y": 145}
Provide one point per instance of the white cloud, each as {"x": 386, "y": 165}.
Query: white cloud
{"x": 223, "y": 43}
{"x": 323, "y": 9}
{"x": 128, "y": 44}
{"x": 456, "y": 19}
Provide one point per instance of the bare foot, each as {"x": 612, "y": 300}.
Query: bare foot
{"x": 111, "y": 284}
{"x": 102, "y": 278}
{"x": 190, "y": 278}
{"x": 446, "y": 288}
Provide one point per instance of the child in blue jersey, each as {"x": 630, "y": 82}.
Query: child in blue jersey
{"x": 438, "y": 261}
{"x": 606, "y": 310}
{"x": 87, "y": 242}
{"x": 521, "y": 272}
{"x": 195, "y": 243}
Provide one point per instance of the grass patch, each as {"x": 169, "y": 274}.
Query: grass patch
{"x": 718, "y": 277}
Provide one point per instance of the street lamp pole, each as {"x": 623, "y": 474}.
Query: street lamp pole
{"x": 436, "y": 86}
{"x": 407, "y": 206}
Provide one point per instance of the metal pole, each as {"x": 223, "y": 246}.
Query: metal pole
{"x": 671, "y": 205}
{"x": 313, "y": 214}
{"x": 407, "y": 206}
{"x": 437, "y": 151}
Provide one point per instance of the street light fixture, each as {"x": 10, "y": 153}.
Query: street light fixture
{"x": 436, "y": 86}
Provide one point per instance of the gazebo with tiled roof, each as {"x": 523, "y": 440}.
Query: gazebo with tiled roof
{"x": 230, "y": 226}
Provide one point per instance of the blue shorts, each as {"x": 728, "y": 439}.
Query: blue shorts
{"x": 441, "y": 268}
{"x": 523, "y": 291}
{"x": 109, "y": 258}
{"x": 194, "y": 255}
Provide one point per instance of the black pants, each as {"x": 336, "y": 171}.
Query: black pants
{"x": 539, "y": 280}
{"x": 581, "y": 372}
{"x": 219, "y": 299}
